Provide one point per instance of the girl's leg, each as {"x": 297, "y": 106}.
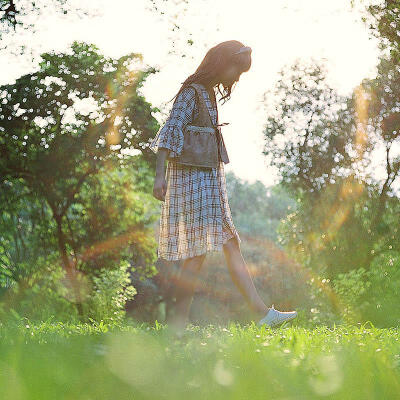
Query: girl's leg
{"x": 185, "y": 287}
{"x": 242, "y": 278}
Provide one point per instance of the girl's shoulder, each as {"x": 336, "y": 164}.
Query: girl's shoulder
{"x": 188, "y": 91}
{"x": 186, "y": 95}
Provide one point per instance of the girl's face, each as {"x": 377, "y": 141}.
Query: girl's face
{"x": 230, "y": 75}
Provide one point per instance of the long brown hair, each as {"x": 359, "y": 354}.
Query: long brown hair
{"x": 215, "y": 61}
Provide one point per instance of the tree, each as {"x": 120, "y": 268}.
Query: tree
{"x": 307, "y": 130}
{"x": 384, "y": 21}
{"x": 21, "y": 17}
{"x": 257, "y": 209}
{"x": 323, "y": 145}
{"x": 54, "y": 146}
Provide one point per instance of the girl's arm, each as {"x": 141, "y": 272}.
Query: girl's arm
{"x": 169, "y": 139}
{"x": 160, "y": 184}
{"x": 162, "y": 155}
{"x": 170, "y": 136}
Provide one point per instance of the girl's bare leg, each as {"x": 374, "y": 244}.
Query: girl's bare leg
{"x": 242, "y": 278}
{"x": 184, "y": 289}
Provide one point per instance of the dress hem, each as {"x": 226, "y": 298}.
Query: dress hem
{"x": 196, "y": 253}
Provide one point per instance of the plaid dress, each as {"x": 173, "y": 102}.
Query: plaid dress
{"x": 195, "y": 216}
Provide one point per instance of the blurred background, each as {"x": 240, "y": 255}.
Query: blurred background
{"x": 313, "y": 141}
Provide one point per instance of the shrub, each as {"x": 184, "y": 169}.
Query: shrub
{"x": 372, "y": 295}
{"x": 112, "y": 289}
{"x": 40, "y": 296}
{"x": 46, "y": 295}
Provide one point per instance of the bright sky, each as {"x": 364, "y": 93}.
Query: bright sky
{"x": 277, "y": 31}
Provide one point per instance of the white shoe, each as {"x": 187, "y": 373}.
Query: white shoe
{"x": 275, "y": 317}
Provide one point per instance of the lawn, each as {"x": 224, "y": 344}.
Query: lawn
{"x": 60, "y": 361}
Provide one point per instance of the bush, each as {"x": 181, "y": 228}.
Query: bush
{"x": 40, "y": 296}
{"x": 112, "y": 289}
{"x": 319, "y": 307}
{"x": 46, "y": 295}
{"x": 352, "y": 288}
{"x": 372, "y": 295}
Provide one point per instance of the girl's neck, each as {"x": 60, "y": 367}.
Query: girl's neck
{"x": 211, "y": 92}
{"x": 210, "y": 85}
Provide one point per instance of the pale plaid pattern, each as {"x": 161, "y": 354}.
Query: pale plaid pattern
{"x": 195, "y": 216}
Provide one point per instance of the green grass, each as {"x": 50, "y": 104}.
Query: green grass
{"x": 61, "y": 361}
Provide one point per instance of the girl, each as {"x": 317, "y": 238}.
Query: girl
{"x": 195, "y": 215}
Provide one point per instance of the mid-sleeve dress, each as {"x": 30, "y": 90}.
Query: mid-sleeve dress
{"x": 195, "y": 214}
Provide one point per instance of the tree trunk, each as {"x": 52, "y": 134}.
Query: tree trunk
{"x": 70, "y": 269}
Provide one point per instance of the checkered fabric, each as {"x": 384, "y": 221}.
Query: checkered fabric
{"x": 195, "y": 216}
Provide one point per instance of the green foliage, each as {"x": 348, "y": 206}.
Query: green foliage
{"x": 55, "y": 154}
{"x": 308, "y": 126}
{"x": 383, "y": 20}
{"x": 112, "y": 289}
{"x": 206, "y": 362}
{"x": 113, "y": 218}
{"x": 320, "y": 306}
{"x": 47, "y": 295}
{"x": 17, "y": 17}
{"x": 26, "y": 232}
{"x": 75, "y": 176}
{"x": 345, "y": 216}
{"x": 335, "y": 230}
{"x": 257, "y": 209}
{"x": 374, "y": 294}
{"x": 352, "y": 287}
{"x": 42, "y": 295}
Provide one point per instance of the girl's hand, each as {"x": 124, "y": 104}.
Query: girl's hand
{"x": 160, "y": 188}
